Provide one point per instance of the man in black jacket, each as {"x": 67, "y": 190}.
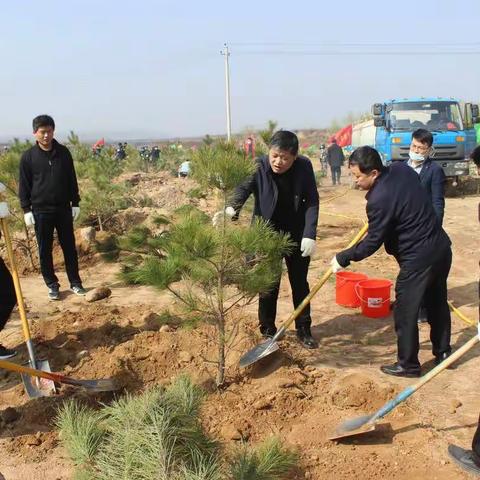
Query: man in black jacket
{"x": 8, "y": 298}
{"x": 401, "y": 216}
{"x": 49, "y": 197}
{"x": 335, "y": 159}
{"x": 286, "y": 195}
{"x": 469, "y": 460}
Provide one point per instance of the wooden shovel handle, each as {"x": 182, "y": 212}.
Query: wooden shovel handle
{"x": 322, "y": 281}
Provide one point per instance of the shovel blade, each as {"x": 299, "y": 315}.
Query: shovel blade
{"x": 256, "y": 353}
{"x": 39, "y": 387}
{"x": 354, "y": 426}
{"x": 338, "y": 435}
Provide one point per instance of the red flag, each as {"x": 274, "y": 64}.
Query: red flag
{"x": 344, "y": 136}
{"x": 99, "y": 143}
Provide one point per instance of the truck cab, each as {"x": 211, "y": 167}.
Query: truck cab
{"x": 454, "y": 135}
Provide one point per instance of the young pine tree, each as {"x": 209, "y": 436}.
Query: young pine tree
{"x": 210, "y": 270}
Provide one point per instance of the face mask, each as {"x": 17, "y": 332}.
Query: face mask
{"x": 416, "y": 157}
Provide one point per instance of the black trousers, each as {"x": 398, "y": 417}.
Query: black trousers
{"x": 297, "y": 267}
{"x": 8, "y": 298}
{"x": 62, "y": 222}
{"x": 336, "y": 172}
{"x": 429, "y": 284}
{"x": 476, "y": 445}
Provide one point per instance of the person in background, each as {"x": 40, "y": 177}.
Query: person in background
{"x": 48, "y": 193}
{"x": 432, "y": 178}
{"x": 286, "y": 196}
{"x": 335, "y": 159}
{"x": 469, "y": 460}
{"x": 8, "y": 298}
{"x": 184, "y": 169}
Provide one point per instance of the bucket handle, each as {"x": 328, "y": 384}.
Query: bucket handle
{"x": 366, "y": 301}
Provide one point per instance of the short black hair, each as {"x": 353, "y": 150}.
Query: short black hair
{"x": 42, "y": 121}
{"x": 284, "y": 140}
{"x": 475, "y": 156}
{"x": 423, "y": 136}
{"x": 367, "y": 159}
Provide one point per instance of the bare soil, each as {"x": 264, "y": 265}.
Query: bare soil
{"x": 296, "y": 394}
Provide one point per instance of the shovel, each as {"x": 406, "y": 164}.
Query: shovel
{"x": 103, "y": 385}
{"x": 266, "y": 348}
{"x": 367, "y": 423}
{"x": 44, "y": 387}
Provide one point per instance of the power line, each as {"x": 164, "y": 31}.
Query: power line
{"x": 356, "y": 44}
{"x": 353, "y": 53}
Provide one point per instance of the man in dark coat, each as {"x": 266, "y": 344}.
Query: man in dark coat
{"x": 469, "y": 460}
{"x": 48, "y": 192}
{"x": 286, "y": 196}
{"x": 335, "y": 159}
{"x": 401, "y": 216}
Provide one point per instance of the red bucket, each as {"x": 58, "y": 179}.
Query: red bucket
{"x": 374, "y": 296}
{"x": 345, "y": 294}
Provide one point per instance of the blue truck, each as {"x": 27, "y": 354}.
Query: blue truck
{"x": 451, "y": 123}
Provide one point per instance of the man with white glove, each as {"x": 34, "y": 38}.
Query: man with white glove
{"x": 336, "y": 267}
{"x": 286, "y": 196}
{"x": 8, "y": 298}
{"x": 228, "y": 214}
{"x": 48, "y": 192}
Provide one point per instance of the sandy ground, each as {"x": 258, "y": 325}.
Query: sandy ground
{"x": 296, "y": 394}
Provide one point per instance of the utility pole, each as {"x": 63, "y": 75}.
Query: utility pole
{"x": 226, "y": 53}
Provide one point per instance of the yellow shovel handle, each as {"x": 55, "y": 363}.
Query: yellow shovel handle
{"x": 322, "y": 281}
{"x": 16, "y": 280}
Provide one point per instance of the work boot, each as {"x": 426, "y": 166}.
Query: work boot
{"x": 443, "y": 356}
{"x": 464, "y": 459}
{"x": 6, "y": 353}
{"x": 398, "y": 371}
{"x": 54, "y": 292}
{"x": 268, "y": 332}
{"x": 304, "y": 335}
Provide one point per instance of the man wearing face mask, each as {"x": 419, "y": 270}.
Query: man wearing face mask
{"x": 431, "y": 174}
{"x": 286, "y": 195}
{"x": 432, "y": 178}
{"x": 401, "y": 216}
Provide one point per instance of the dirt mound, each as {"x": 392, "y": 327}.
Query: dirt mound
{"x": 360, "y": 391}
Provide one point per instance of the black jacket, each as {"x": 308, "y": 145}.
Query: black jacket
{"x": 433, "y": 180}
{"x": 401, "y": 216}
{"x": 335, "y": 157}
{"x": 264, "y": 189}
{"x": 47, "y": 179}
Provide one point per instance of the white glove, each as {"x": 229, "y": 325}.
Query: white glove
{"x": 4, "y": 213}
{"x": 75, "y": 212}
{"x": 307, "y": 247}
{"x": 218, "y": 217}
{"x": 3, "y": 188}
{"x": 336, "y": 267}
{"x": 29, "y": 219}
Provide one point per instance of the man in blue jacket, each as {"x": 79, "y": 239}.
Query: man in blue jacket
{"x": 286, "y": 196}
{"x": 432, "y": 178}
{"x": 401, "y": 216}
